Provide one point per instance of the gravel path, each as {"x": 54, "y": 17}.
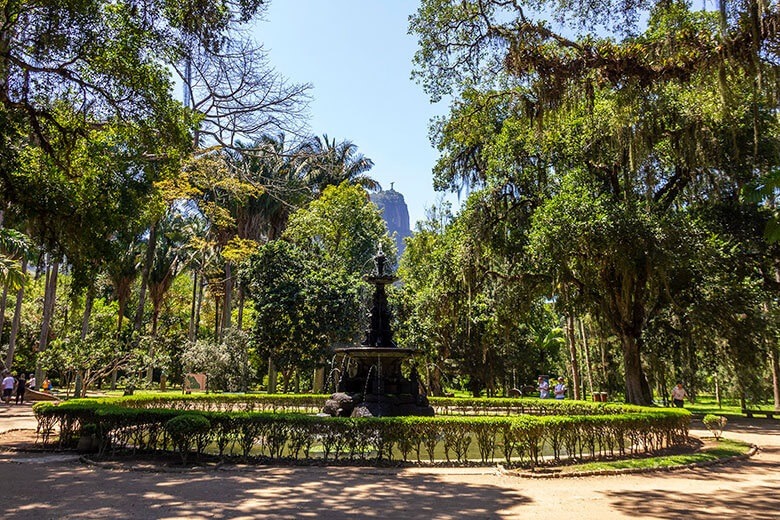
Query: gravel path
{"x": 40, "y": 486}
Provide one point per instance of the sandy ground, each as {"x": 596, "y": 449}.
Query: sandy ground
{"x": 46, "y": 485}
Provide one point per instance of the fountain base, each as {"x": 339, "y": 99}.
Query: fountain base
{"x": 373, "y": 385}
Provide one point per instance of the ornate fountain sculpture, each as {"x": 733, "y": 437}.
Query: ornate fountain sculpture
{"x": 372, "y": 383}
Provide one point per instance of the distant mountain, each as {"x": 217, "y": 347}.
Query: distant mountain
{"x": 396, "y": 214}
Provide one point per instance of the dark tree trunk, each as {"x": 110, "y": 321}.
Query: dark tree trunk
{"x": 637, "y": 389}
{"x": 147, "y": 267}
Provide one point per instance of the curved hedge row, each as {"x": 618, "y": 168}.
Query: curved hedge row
{"x": 313, "y": 403}
{"x": 133, "y": 424}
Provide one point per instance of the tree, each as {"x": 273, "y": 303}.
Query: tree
{"x": 600, "y": 142}
{"x": 307, "y": 287}
{"x": 329, "y": 163}
{"x": 301, "y": 306}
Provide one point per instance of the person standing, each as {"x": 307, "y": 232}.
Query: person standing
{"x": 544, "y": 388}
{"x": 678, "y": 395}
{"x": 21, "y": 385}
{"x": 560, "y": 389}
{"x": 31, "y": 382}
{"x": 8, "y": 387}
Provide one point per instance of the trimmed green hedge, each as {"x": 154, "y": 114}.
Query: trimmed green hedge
{"x": 141, "y": 423}
{"x": 313, "y": 403}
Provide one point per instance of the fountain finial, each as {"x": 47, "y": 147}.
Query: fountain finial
{"x": 379, "y": 261}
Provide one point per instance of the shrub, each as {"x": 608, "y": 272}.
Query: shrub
{"x": 186, "y": 430}
{"x": 715, "y": 424}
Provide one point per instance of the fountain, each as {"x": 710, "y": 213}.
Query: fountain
{"x": 371, "y": 382}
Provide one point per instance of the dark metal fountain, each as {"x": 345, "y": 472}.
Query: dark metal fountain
{"x": 371, "y": 382}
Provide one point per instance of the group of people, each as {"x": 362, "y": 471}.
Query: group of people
{"x": 559, "y": 390}
{"x": 18, "y": 384}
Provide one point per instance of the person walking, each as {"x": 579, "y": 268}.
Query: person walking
{"x": 678, "y": 395}
{"x": 21, "y": 385}
{"x": 8, "y": 387}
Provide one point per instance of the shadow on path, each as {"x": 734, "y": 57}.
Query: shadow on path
{"x": 273, "y": 493}
{"x": 758, "y": 503}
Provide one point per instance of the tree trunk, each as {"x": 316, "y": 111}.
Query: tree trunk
{"x": 271, "y": 376}
{"x": 3, "y": 301}
{"x": 197, "y": 310}
{"x": 148, "y": 259}
{"x": 17, "y": 321}
{"x": 155, "y": 318}
{"x": 227, "y": 303}
{"x": 573, "y": 361}
{"x": 637, "y": 390}
{"x": 193, "y": 305}
{"x": 586, "y": 350}
{"x": 773, "y": 359}
{"x": 49, "y": 301}
{"x": 88, "y": 302}
{"x": 240, "y": 318}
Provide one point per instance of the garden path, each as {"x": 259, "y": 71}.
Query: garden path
{"x": 39, "y": 486}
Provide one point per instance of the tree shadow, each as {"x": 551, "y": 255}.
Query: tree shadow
{"x": 316, "y": 492}
{"x": 758, "y": 503}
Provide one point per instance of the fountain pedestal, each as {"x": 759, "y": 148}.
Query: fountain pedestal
{"x": 372, "y": 383}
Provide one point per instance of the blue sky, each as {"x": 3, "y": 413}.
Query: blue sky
{"x": 358, "y": 57}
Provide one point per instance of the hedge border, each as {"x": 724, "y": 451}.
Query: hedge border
{"x": 139, "y": 424}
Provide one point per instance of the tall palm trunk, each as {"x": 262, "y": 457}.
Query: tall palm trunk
{"x": 586, "y": 351}
{"x": 49, "y": 301}
{"x": 147, "y": 267}
{"x": 79, "y": 390}
{"x": 227, "y": 302}
{"x": 3, "y": 301}
{"x": 193, "y": 307}
{"x": 571, "y": 340}
{"x": 197, "y": 309}
{"x": 17, "y": 320}
{"x": 240, "y": 317}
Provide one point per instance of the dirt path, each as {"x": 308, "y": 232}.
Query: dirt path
{"x": 40, "y": 486}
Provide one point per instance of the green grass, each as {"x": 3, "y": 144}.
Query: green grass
{"x": 724, "y": 448}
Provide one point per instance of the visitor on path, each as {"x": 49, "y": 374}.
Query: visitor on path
{"x": 560, "y": 389}
{"x": 8, "y": 387}
{"x": 31, "y": 382}
{"x": 544, "y": 388}
{"x": 678, "y": 395}
{"x": 21, "y": 385}
{"x": 46, "y": 386}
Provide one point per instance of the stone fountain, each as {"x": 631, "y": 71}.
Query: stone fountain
{"x": 371, "y": 381}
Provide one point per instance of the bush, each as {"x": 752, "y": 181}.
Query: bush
{"x": 715, "y": 424}
{"x": 186, "y": 430}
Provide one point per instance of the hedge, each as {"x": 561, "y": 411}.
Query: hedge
{"x": 142, "y": 424}
{"x": 313, "y": 403}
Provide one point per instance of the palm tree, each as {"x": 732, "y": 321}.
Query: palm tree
{"x": 330, "y": 163}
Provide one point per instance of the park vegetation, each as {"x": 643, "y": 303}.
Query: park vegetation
{"x": 618, "y": 226}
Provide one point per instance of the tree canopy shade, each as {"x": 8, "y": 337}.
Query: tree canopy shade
{"x": 596, "y": 152}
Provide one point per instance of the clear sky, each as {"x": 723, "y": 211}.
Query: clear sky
{"x": 358, "y": 57}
